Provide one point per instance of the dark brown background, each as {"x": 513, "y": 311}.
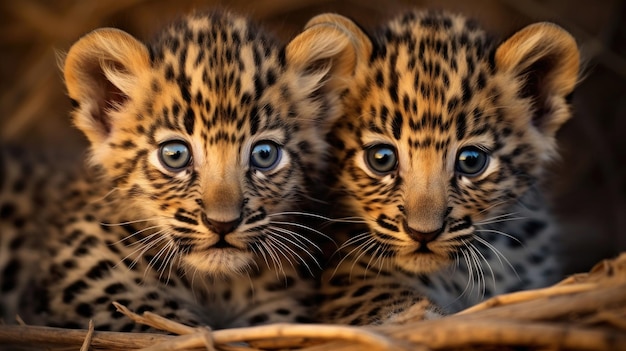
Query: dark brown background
{"x": 589, "y": 181}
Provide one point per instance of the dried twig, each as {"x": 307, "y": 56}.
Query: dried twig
{"x": 197, "y": 337}
{"x": 88, "y": 337}
{"x": 584, "y": 312}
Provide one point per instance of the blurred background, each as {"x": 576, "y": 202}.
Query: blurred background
{"x": 588, "y": 184}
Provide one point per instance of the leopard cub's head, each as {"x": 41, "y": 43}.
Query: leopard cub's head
{"x": 210, "y": 136}
{"x": 443, "y": 128}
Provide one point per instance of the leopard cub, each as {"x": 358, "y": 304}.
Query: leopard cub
{"x": 204, "y": 146}
{"x": 438, "y": 162}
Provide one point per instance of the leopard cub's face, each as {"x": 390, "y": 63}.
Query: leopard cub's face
{"x": 210, "y": 137}
{"x": 443, "y": 130}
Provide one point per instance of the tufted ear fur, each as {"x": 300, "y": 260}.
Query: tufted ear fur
{"x": 331, "y": 43}
{"x": 101, "y": 70}
{"x": 545, "y": 58}
{"x": 328, "y": 52}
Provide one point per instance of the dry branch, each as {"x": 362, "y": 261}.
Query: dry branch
{"x": 584, "y": 312}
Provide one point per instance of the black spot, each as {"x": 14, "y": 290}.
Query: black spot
{"x": 533, "y": 227}
{"x": 280, "y": 285}
{"x": 424, "y": 279}
{"x": 128, "y": 327}
{"x": 128, "y": 144}
{"x": 103, "y": 327}
{"x": 303, "y": 319}
{"x": 101, "y": 300}
{"x": 7, "y": 210}
{"x": 10, "y": 275}
{"x": 283, "y": 311}
{"x": 351, "y": 309}
{"x": 362, "y": 291}
{"x": 373, "y": 312}
{"x": 144, "y": 308}
{"x": 396, "y": 125}
{"x": 461, "y": 125}
{"x": 115, "y": 288}
{"x": 171, "y": 304}
{"x": 190, "y": 120}
{"x": 100, "y": 269}
{"x": 19, "y": 222}
{"x": 381, "y": 297}
{"x": 69, "y": 264}
{"x": 226, "y": 295}
{"x": 258, "y": 319}
{"x": 17, "y": 242}
{"x": 71, "y": 325}
{"x": 81, "y": 251}
{"x": 467, "y": 91}
{"x": 340, "y": 280}
{"x": 254, "y": 120}
{"x": 84, "y": 310}
{"x": 380, "y": 79}
{"x": 69, "y": 293}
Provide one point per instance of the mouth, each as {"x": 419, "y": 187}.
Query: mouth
{"x": 423, "y": 249}
{"x": 223, "y": 244}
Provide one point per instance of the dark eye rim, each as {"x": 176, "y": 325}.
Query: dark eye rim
{"x": 487, "y": 156}
{"x": 188, "y": 161}
{"x": 279, "y": 155}
{"x": 370, "y": 148}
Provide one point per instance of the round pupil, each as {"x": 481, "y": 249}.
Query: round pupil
{"x": 264, "y": 155}
{"x": 382, "y": 159}
{"x": 472, "y": 161}
{"x": 175, "y": 155}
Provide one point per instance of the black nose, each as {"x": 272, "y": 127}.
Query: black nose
{"x": 221, "y": 228}
{"x": 422, "y": 237}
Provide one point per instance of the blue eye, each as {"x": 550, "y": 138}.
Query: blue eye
{"x": 174, "y": 155}
{"x": 471, "y": 161}
{"x": 265, "y": 155}
{"x": 381, "y": 158}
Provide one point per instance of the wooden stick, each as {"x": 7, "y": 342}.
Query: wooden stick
{"x": 155, "y": 321}
{"x": 366, "y": 338}
{"x": 501, "y": 332}
{"x": 266, "y": 332}
{"x": 47, "y": 336}
{"x": 88, "y": 338}
{"x": 528, "y": 295}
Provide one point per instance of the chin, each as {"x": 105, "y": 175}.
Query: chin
{"x": 422, "y": 263}
{"x": 219, "y": 262}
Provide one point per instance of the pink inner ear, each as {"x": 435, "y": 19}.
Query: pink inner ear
{"x": 111, "y": 98}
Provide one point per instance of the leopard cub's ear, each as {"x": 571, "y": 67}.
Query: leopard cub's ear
{"x": 545, "y": 59}
{"x": 326, "y": 54}
{"x": 330, "y": 45}
{"x": 101, "y": 70}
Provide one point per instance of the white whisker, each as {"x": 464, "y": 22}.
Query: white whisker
{"x": 501, "y": 233}
{"x": 303, "y": 227}
{"x": 294, "y": 255}
{"x": 314, "y": 215}
{"x": 498, "y": 254}
{"x": 297, "y": 236}
{"x": 301, "y": 247}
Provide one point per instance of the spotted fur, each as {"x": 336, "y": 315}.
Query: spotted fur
{"x": 205, "y": 144}
{"x": 432, "y": 97}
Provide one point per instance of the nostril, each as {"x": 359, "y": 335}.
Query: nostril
{"x": 423, "y": 237}
{"x": 219, "y": 227}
